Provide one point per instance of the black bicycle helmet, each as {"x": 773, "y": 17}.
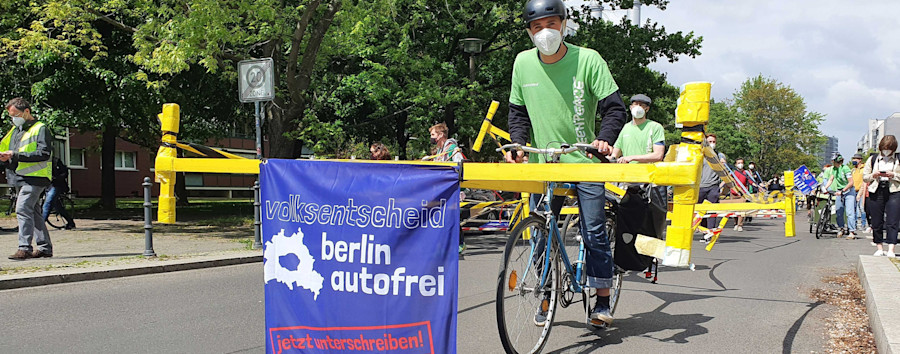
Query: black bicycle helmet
{"x": 538, "y": 9}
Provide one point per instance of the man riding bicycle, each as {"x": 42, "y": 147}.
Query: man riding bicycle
{"x": 556, "y": 89}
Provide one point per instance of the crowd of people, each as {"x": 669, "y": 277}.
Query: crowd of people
{"x": 866, "y": 195}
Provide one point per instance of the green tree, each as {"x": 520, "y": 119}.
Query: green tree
{"x": 777, "y": 120}
{"x": 732, "y": 139}
{"x": 397, "y": 69}
{"x": 171, "y": 37}
{"x": 89, "y": 84}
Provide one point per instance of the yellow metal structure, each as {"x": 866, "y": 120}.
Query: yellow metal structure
{"x": 680, "y": 169}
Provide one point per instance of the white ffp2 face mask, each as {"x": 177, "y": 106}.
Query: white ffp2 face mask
{"x": 712, "y": 145}
{"x": 637, "y": 112}
{"x": 18, "y": 121}
{"x": 547, "y": 40}
{"x": 886, "y": 153}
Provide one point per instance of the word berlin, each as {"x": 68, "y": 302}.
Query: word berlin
{"x": 429, "y": 214}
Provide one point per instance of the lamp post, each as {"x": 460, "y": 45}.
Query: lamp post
{"x": 471, "y": 46}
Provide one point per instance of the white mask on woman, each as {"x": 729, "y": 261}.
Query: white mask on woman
{"x": 886, "y": 153}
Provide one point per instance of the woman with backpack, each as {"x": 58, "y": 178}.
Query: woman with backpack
{"x": 882, "y": 173}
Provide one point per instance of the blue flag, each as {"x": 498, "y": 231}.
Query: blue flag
{"x": 359, "y": 257}
{"x": 804, "y": 180}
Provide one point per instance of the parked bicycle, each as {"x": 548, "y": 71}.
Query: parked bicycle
{"x": 824, "y": 224}
{"x": 540, "y": 262}
{"x": 54, "y": 219}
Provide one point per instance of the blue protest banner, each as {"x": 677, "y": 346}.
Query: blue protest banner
{"x": 804, "y": 180}
{"x": 359, "y": 257}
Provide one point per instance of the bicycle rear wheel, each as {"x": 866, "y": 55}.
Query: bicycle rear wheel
{"x": 519, "y": 293}
{"x": 824, "y": 217}
{"x": 56, "y": 220}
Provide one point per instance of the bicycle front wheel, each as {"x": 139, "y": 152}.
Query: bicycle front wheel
{"x": 520, "y": 295}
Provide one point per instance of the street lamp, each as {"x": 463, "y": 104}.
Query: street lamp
{"x": 472, "y": 46}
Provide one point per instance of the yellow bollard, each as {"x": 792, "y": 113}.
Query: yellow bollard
{"x": 165, "y": 158}
{"x": 790, "y": 205}
{"x": 692, "y": 114}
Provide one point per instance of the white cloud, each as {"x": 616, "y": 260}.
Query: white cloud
{"x": 840, "y": 56}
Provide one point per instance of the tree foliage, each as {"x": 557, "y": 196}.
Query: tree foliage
{"x": 767, "y": 122}
{"x": 348, "y": 72}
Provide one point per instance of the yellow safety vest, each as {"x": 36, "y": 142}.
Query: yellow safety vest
{"x": 29, "y": 144}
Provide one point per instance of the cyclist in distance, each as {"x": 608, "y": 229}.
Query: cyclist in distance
{"x": 558, "y": 89}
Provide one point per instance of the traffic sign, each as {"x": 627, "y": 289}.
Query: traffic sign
{"x": 256, "y": 80}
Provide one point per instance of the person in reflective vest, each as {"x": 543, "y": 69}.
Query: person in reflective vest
{"x": 26, "y": 152}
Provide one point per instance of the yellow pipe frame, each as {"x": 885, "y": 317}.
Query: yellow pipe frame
{"x": 680, "y": 169}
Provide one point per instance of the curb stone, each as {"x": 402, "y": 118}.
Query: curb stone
{"x": 881, "y": 280}
{"x": 60, "y": 276}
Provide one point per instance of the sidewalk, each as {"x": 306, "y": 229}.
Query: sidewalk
{"x": 100, "y": 249}
{"x": 880, "y": 277}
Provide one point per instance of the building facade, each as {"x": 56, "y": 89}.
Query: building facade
{"x": 828, "y": 150}
{"x": 877, "y": 129}
{"x": 134, "y": 162}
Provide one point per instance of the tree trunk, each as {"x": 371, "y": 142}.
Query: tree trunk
{"x": 279, "y": 123}
{"x": 400, "y": 130}
{"x": 450, "y": 119}
{"x": 108, "y": 167}
{"x": 180, "y": 186}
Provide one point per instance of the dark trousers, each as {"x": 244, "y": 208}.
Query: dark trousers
{"x": 884, "y": 208}
{"x": 712, "y": 195}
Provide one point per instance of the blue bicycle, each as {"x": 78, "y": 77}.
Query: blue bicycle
{"x": 536, "y": 272}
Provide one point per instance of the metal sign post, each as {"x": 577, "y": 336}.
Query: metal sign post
{"x": 256, "y": 83}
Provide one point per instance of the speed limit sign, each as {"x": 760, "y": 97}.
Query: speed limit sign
{"x": 256, "y": 80}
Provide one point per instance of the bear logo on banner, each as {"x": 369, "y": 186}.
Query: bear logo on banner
{"x": 304, "y": 276}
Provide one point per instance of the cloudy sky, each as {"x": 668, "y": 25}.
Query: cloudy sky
{"x": 843, "y": 57}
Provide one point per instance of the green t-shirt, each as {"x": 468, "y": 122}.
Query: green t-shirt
{"x": 842, "y": 177}
{"x": 639, "y": 139}
{"x": 562, "y": 97}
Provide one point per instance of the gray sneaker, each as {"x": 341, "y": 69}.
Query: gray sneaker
{"x": 601, "y": 316}
{"x": 540, "y": 314}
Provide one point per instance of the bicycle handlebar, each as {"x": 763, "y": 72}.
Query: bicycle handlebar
{"x": 565, "y": 149}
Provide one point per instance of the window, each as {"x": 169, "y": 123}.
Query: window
{"x": 76, "y": 157}
{"x": 125, "y": 160}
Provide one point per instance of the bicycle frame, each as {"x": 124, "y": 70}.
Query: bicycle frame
{"x": 556, "y": 237}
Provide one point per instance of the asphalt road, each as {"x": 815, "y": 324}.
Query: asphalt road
{"x": 749, "y": 295}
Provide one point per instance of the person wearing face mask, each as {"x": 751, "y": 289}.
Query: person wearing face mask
{"x": 710, "y": 187}
{"x": 882, "y": 173}
{"x": 841, "y": 178}
{"x": 641, "y": 140}
{"x": 445, "y": 148}
{"x": 754, "y": 176}
{"x": 860, "y": 186}
{"x": 26, "y": 150}
{"x": 742, "y": 177}
{"x": 559, "y": 89}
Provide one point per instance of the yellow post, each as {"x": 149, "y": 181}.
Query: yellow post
{"x": 790, "y": 205}
{"x": 692, "y": 114}
{"x": 485, "y": 125}
{"x": 165, "y": 159}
